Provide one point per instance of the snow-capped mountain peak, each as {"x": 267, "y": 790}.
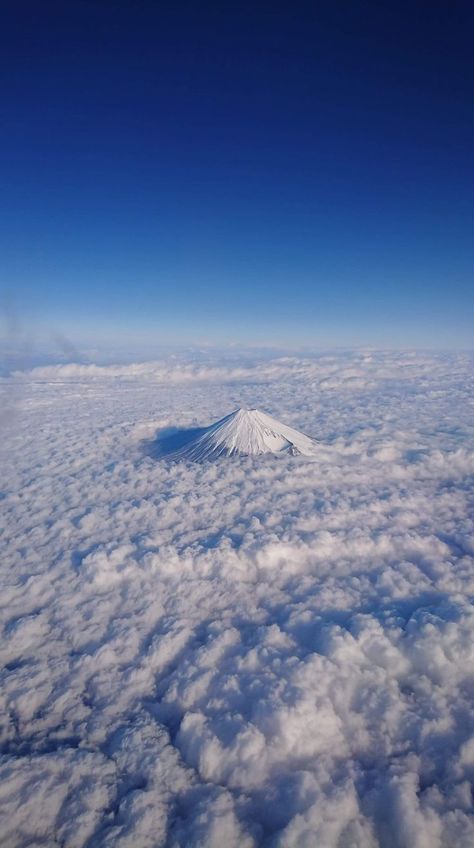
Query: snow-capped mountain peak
{"x": 245, "y": 432}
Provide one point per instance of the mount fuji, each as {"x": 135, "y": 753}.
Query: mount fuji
{"x": 245, "y": 432}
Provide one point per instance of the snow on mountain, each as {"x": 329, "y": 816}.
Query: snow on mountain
{"x": 245, "y": 432}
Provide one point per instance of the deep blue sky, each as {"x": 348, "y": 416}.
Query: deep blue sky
{"x": 281, "y": 172}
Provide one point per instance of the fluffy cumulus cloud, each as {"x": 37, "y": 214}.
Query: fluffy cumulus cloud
{"x": 273, "y": 651}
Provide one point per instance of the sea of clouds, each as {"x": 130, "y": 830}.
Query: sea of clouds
{"x": 273, "y": 651}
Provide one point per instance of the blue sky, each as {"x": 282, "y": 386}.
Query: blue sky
{"x": 286, "y": 174}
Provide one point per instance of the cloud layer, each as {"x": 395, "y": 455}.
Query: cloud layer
{"x": 257, "y": 652}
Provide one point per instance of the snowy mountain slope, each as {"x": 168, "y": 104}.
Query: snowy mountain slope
{"x": 245, "y": 432}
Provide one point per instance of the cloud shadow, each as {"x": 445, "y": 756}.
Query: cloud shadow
{"x": 169, "y": 440}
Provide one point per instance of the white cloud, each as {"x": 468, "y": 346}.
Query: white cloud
{"x": 271, "y": 651}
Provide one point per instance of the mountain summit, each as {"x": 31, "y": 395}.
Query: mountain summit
{"x": 245, "y": 432}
